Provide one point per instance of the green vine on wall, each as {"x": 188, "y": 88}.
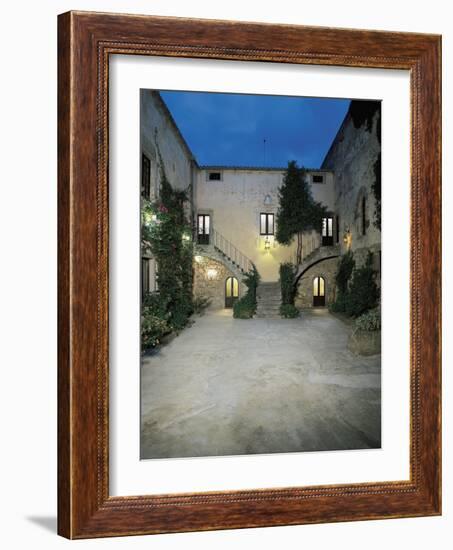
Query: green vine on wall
{"x": 167, "y": 235}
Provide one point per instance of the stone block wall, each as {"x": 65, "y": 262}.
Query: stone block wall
{"x": 326, "y": 269}
{"x": 209, "y": 281}
{"x": 351, "y": 157}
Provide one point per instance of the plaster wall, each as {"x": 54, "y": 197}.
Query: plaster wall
{"x": 235, "y": 204}
{"x": 158, "y": 131}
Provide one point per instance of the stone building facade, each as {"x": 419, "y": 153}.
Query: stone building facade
{"x": 352, "y": 157}
{"x": 234, "y": 209}
{"x": 210, "y": 280}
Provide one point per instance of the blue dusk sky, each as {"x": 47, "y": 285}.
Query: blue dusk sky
{"x": 230, "y": 129}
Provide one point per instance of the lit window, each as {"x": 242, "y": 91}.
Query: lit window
{"x": 327, "y": 227}
{"x": 266, "y": 224}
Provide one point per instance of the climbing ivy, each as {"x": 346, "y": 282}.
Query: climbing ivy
{"x": 166, "y": 233}
{"x": 245, "y": 307}
{"x": 342, "y": 278}
{"x": 287, "y": 282}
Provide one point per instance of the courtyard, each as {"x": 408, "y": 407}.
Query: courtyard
{"x": 227, "y": 386}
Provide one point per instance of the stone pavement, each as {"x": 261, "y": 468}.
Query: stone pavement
{"x": 228, "y": 386}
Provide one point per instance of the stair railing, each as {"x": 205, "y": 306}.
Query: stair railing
{"x": 228, "y": 249}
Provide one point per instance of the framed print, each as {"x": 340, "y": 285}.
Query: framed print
{"x": 249, "y": 275}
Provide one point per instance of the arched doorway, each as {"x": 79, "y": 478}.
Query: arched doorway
{"x": 319, "y": 292}
{"x": 231, "y": 291}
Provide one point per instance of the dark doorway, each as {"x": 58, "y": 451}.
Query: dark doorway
{"x": 203, "y": 228}
{"x": 319, "y": 292}
{"x": 231, "y": 291}
{"x": 327, "y": 232}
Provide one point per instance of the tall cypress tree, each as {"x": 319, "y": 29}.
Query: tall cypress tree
{"x": 298, "y": 211}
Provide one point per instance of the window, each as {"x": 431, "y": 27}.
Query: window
{"x": 266, "y": 224}
{"x": 203, "y": 228}
{"x": 214, "y": 176}
{"x": 337, "y": 229}
{"x": 327, "y": 232}
{"x": 145, "y": 276}
{"x": 317, "y": 178}
{"x": 146, "y": 176}
{"x": 363, "y": 216}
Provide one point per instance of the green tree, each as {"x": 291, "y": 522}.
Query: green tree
{"x": 298, "y": 211}
{"x": 363, "y": 293}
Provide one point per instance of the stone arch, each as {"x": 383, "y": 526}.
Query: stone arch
{"x": 209, "y": 275}
{"x": 325, "y": 268}
{"x": 306, "y": 268}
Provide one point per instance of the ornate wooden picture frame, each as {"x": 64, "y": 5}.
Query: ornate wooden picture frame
{"x": 86, "y": 41}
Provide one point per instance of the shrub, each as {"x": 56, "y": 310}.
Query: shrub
{"x": 339, "y": 306}
{"x": 245, "y": 307}
{"x": 344, "y": 272}
{"x": 363, "y": 293}
{"x": 152, "y": 329}
{"x": 289, "y": 311}
{"x": 156, "y": 304}
{"x": 287, "y": 275}
{"x": 200, "y": 303}
{"x": 251, "y": 281}
{"x": 342, "y": 277}
{"x": 179, "y": 315}
{"x": 369, "y": 321}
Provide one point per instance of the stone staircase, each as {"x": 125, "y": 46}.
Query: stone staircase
{"x": 317, "y": 255}
{"x": 224, "y": 251}
{"x": 268, "y": 300}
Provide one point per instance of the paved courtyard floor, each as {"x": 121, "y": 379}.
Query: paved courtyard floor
{"x": 228, "y": 386}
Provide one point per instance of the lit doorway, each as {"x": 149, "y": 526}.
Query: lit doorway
{"x": 319, "y": 295}
{"x": 231, "y": 291}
